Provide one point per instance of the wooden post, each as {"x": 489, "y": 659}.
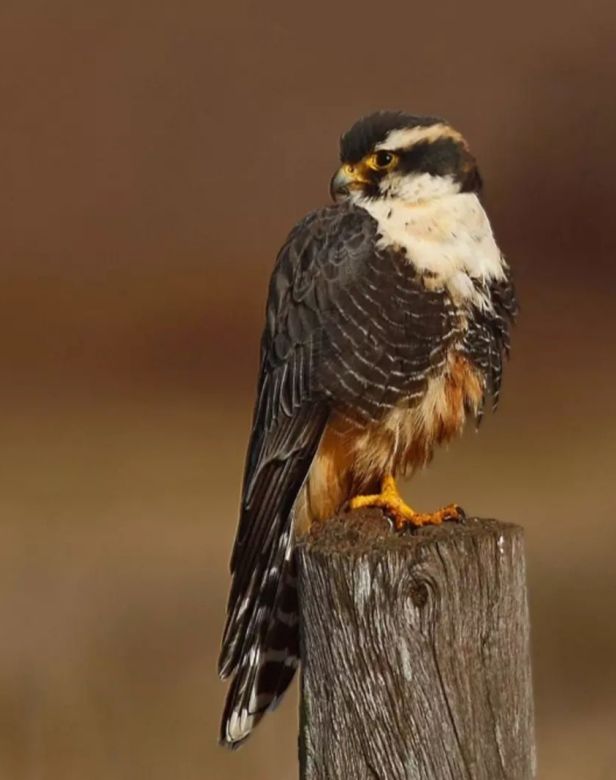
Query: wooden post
{"x": 415, "y": 652}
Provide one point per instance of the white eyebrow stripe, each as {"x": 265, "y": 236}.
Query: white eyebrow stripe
{"x": 404, "y": 137}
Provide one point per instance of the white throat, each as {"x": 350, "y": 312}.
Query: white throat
{"x": 448, "y": 238}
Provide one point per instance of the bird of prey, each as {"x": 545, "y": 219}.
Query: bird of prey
{"x": 387, "y": 322}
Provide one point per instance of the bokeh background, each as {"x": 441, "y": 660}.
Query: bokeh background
{"x": 152, "y": 158}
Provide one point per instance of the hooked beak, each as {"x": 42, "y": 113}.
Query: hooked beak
{"x": 346, "y": 178}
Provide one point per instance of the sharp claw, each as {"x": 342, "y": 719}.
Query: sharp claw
{"x": 454, "y": 512}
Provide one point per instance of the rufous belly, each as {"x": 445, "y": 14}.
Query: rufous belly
{"x": 352, "y": 460}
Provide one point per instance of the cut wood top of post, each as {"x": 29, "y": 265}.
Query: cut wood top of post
{"x": 368, "y": 530}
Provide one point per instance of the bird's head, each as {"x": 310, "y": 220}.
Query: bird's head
{"x": 395, "y": 155}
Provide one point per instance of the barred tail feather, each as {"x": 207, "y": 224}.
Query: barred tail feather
{"x": 260, "y": 640}
{"x": 267, "y": 667}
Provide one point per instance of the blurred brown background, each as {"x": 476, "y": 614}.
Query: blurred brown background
{"x": 152, "y": 158}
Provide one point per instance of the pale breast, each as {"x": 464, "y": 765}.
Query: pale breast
{"x": 447, "y": 238}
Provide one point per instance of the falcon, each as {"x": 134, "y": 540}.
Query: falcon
{"x": 387, "y": 323}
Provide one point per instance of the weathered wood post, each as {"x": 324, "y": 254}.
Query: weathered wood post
{"x": 415, "y": 651}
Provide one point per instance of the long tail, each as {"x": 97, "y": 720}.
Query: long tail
{"x": 266, "y": 668}
{"x": 260, "y": 645}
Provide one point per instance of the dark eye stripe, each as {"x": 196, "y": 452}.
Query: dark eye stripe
{"x": 442, "y": 157}
{"x": 357, "y": 142}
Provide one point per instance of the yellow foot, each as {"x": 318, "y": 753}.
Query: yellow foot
{"x": 402, "y": 514}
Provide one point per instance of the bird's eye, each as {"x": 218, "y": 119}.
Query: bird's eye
{"x": 382, "y": 160}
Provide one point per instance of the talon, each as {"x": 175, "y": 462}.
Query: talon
{"x": 402, "y": 515}
{"x": 454, "y": 512}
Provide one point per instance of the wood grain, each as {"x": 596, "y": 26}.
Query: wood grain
{"x": 415, "y": 652}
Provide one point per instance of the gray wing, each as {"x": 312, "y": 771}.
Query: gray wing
{"x": 347, "y": 327}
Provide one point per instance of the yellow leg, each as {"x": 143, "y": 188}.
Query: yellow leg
{"x": 402, "y": 514}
